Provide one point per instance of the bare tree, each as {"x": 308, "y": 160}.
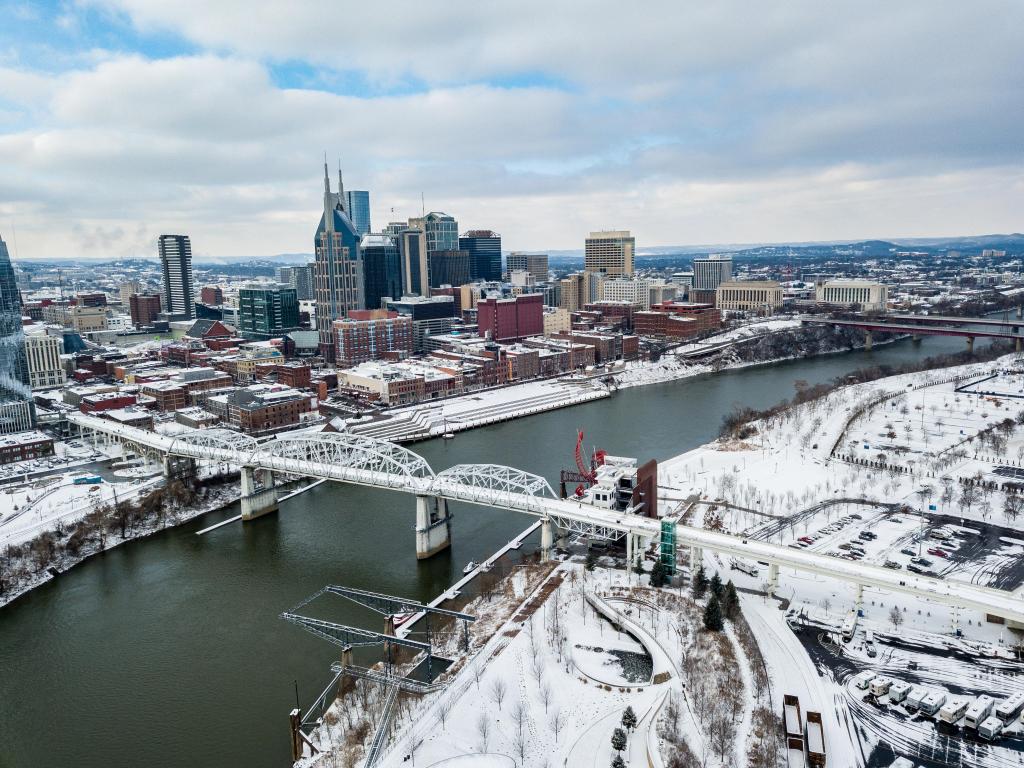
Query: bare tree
{"x": 519, "y": 745}
{"x": 545, "y": 695}
{"x": 556, "y": 719}
{"x": 498, "y": 690}
{"x": 519, "y": 714}
{"x": 444, "y": 707}
{"x": 895, "y": 618}
{"x": 483, "y": 730}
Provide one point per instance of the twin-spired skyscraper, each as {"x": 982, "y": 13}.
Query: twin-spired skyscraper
{"x": 338, "y": 265}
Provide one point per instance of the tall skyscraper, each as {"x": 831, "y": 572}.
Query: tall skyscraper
{"x": 338, "y": 279}
{"x": 300, "y": 278}
{"x": 484, "y": 248}
{"x": 382, "y": 269}
{"x": 448, "y": 268}
{"x": 412, "y": 251}
{"x": 358, "y": 202}
{"x": 16, "y": 412}
{"x": 534, "y": 263}
{"x": 711, "y": 272}
{"x": 441, "y": 229}
{"x": 610, "y": 252}
{"x": 176, "y": 261}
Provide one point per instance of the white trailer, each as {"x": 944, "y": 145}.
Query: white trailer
{"x": 744, "y": 566}
{"x": 932, "y": 703}
{"x": 979, "y": 709}
{"x": 862, "y": 680}
{"x": 990, "y": 728}
{"x": 898, "y": 691}
{"x": 1008, "y": 709}
{"x": 879, "y": 686}
{"x": 915, "y": 697}
{"x": 849, "y": 626}
{"x": 953, "y": 711}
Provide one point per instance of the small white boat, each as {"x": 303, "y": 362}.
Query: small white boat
{"x": 469, "y": 567}
{"x": 448, "y": 436}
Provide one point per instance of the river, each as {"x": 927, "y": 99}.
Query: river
{"x": 168, "y": 651}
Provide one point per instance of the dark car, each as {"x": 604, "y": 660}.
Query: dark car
{"x": 908, "y": 551}
{"x": 914, "y": 569}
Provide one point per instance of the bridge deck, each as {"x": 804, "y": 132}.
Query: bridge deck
{"x": 921, "y": 330}
{"x": 573, "y": 514}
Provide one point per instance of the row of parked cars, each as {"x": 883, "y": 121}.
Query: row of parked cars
{"x": 984, "y": 714}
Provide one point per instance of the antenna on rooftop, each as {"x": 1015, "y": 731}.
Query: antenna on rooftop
{"x": 423, "y": 205}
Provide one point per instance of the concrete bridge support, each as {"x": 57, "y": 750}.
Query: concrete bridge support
{"x": 867, "y": 340}
{"x": 773, "y": 578}
{"x": 178, "y": 466}
{"x": 696, "y": 558}
{"x": 1016, "y": 345}
{"x": 257, "y": 502}
{"x": 547, "y": 538}
{"x": 970, "y": 345}
{"x": 433, "y": 526}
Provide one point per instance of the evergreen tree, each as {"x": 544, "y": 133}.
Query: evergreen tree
{"x": 730, "y": 601}
{"x": 591, "y": 560}
{"x": 658, "y": 576}
{"x": 716, "y": 586}
{"x": 618, "y": 762}
{"x": 700, "y": 582}
{"x": 629, "y": 719}
{"x": 618, "y": 739}
{"x": 713, "y": 615}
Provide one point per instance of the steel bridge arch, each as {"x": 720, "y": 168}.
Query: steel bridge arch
{"x": 353, "y": 452}
{"x": 491, "y": 483}
{"x": 241, "y": 446}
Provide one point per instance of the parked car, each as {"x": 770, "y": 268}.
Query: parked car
{"x": 806, "y": 539}
{"x": 938, "y": 552}
{"x": 908, "y": 551}
{"x": 915, "y": 568}
{"x": 924, "y": 561}
{"x": 893, "y": 564}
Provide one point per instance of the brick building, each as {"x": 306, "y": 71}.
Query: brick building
{"x": 511, "y": 319}
{"x": 21, "y": 446}
{"x": 144, "y": 309}
{"x": 372, "y": 334}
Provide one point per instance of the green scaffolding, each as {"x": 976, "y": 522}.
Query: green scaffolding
{"x": 667, "y": 546}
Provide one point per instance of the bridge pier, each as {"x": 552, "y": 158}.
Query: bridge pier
{"x": 696, "y": 558}
{"x": 1020, "y": 311}
{"x": 1016, "y": 345}
{"x": 257, "y": 502}
{"x": 773, "y": 578}
{"x": 433, "y": 526}
{"x": 178, "y": 466}
{"x": 970, "y": 345}
{"x": 916, "y": 338}
{"x": 547, "y": 538}
{"x": 867, "y": 340}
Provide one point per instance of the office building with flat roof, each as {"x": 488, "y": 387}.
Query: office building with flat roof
{"x": 610, "y": 252}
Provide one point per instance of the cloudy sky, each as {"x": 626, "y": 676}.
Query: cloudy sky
{"x": 687, "y": 122}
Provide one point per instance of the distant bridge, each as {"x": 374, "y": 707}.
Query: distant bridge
{"x": 361, "y": 460}
{"x": 916, "y": 326}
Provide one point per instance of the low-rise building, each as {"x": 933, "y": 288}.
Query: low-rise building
{"x": 758, "y": 296}
{"x": 677, "y": 320}
{"x": 265, "y": 408}
{"x": 556, "y": 319}
{"x": 869, "y": 295}
{"x": 399, "y": 383}
{"x": 106, "y": 401}
{"x": 22, "y": 446}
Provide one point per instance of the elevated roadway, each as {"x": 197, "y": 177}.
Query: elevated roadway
{"x": 376, "y": 463}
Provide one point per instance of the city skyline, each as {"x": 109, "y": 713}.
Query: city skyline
{"x": 825, "y": 124}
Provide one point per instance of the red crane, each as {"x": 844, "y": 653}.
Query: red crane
{"x": 585, "y": 475}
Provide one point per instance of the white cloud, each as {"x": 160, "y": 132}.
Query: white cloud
{"x": 685, "y": 123}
